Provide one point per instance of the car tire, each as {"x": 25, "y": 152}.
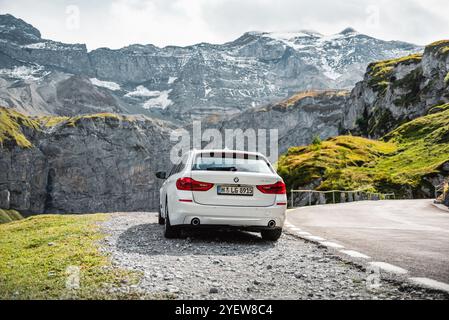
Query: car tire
{"x": 271, "y": 235}
{"x": 170, "y": 232}
{"x": 161, "y": 220}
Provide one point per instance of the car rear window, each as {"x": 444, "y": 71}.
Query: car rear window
{"x": 235, "y": 162}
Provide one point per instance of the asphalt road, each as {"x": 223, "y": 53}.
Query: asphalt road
{"x": 411, "y": 234}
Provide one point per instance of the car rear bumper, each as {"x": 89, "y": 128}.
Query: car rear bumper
{"x": 244, "y": 217}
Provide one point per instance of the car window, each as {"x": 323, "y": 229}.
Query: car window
{"x": 177, "y": 168}
{"x": 237, "y": 162}
{"x": 183, "y": 163}
{"x": 173, "y": 170}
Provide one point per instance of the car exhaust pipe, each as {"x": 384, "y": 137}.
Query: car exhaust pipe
{"x": 272, "y": 224}
{"x": 195, "y": 222}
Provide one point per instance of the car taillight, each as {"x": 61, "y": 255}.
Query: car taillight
{"x": 277, "y": 188}
{"x": 189, "y": 184}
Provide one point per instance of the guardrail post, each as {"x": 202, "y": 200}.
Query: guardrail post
{"x": 291, "y": 198}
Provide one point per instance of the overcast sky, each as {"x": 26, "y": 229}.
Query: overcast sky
{"x": 117, "y": 23}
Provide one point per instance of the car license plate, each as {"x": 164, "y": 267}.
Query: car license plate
{"x": 235, "y": 190}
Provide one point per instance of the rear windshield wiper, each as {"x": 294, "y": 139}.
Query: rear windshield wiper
{"x": 222, "y": 169}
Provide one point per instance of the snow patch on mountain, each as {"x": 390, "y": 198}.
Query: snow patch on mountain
{"x": 105, "y": 84}
{"x": 142, "y": 91}
{"x": 289, "y": 35}
{"x": 161, "y": 101}
{"x": 171, "y": 80}
{"x": 52, "y": 45}
{"x": 33, "y": 73}
{"x": 329, "y": 72}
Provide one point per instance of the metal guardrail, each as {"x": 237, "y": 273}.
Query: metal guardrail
{"x": 313, "y": 197}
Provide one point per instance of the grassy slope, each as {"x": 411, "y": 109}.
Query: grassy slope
{"x": 35, "y": 252}
{"x": 9, "y": 216}
{"x": 51, "y": 121}
{"x": 291, "y": 101}
{"x": 405, "y": 155}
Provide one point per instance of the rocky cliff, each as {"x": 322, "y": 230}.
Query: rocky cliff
{"x": 97, "y": 163}
{"x": 298, "y": 119}
{"x": 21, "y": 44}
{"x": 446, "y": 199}
{"x": 399, "y": 90}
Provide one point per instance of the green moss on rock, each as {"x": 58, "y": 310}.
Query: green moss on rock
{"x": 439, "y": 108}
{"x": 380, "y": 72}
{"x": 12, "y": 125}
{"x": 411, "y": 83}
{"x": 381, "y": 122}
{"x": 52, "y": 121}
{"x": 440, "y": 48}
{"x": 72, "y": 122}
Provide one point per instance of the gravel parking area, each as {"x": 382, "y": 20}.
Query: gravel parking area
{"x": 238, "y": 265}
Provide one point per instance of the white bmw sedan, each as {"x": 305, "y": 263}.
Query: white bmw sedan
{"x": 223, "y": 189}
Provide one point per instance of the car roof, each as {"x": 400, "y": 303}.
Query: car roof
{"x": 227, "y": 151}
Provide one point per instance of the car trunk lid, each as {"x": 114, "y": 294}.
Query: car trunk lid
{"x": 234, "y": 179}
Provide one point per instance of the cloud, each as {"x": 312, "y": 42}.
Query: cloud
{"x": 409, "y": 20}
{"x": 119, "y": 23}
{"x": 157, "y": 22}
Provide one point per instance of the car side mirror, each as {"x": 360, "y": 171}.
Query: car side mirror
{"x": 161, "y": 175}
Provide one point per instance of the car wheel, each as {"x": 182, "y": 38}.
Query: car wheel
{"x": 161, "y": 220}
{"x": 271, "y": 235}
{"x": 170, "y": 232}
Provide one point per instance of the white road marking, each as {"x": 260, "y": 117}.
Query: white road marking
{"x": 332, "y": 245}
{"x": 430, "y": 283}
{"x": 441, "y": 206}
{"x": 303, "y": 233}
{"x": 388, "y": 267}
{"x": 295, "y": 229}
{"x": 355, "y": 254}
{"x": 314, "y": 238}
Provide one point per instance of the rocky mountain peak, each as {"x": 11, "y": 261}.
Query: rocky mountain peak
{"x": 17, "y": 30}
{"x": 183, "y": 82}
{"x": 348, "y": 30}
